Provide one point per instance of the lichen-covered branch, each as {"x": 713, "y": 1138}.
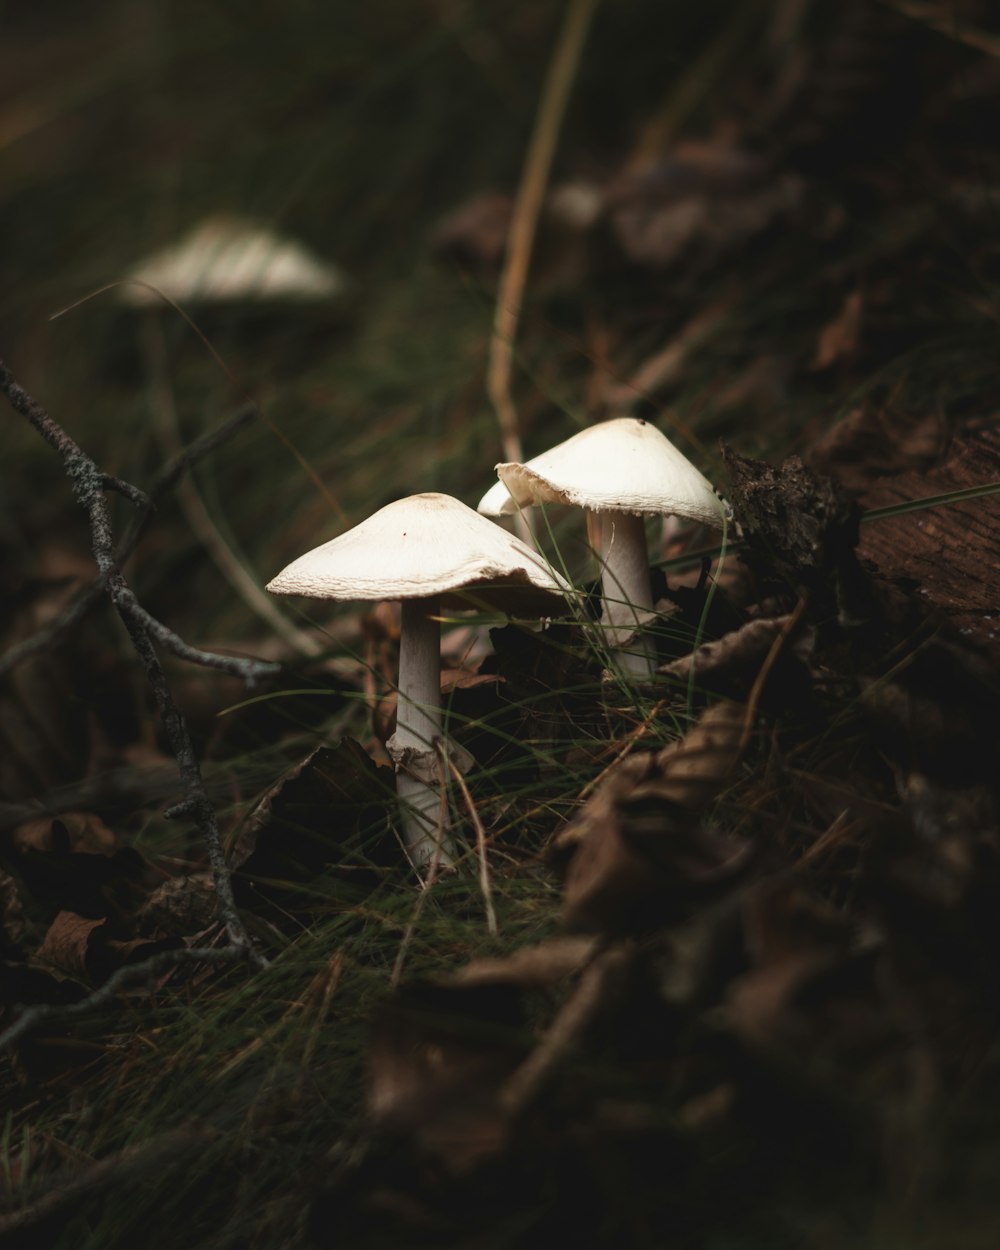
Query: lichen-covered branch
{"x": 89, "y": 485}
{"x": 145, "y": 501}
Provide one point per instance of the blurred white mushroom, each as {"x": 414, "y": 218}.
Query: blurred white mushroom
{"x": 230, "y": 259}
{"x": 233, "y": 264}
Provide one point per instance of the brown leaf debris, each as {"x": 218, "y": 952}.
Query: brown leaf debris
{"x": 639, "y": 853}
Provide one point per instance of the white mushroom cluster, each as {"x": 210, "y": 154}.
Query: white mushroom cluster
{"x": 430, "y": 551}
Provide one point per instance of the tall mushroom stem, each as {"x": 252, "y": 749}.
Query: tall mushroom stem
{"x": 625, "y": 585}
{"x": 418, "y": 724}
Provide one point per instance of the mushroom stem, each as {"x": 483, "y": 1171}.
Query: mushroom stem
{"x": 625, "y": 585}
{"x": 418, "y": 723}
{"x": 418, "y": 718}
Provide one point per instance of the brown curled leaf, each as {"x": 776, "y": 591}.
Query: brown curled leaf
{"x": 532, "y": 967}
{"x": 840, "y": 337}
{"x": 321, "y": 813}
{"x": 66, "y": 944}
{"x": 11, "y": 914}
{"x": 452, "y": 1062}
{"x": 91, "y": 950}
{"x": 179, "y": 907}
{"x": 640, "y": 857}
{"x": 438, "y": 1054}
{"x": 73, "y": 863}
{"x": 736, "y": 655}
{"x": 78, "y": 833}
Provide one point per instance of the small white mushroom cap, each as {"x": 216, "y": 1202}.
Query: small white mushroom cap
{"x": 625, "y": 465}
{"x": 427, "y": 545}
{"x": 227, "y": 258}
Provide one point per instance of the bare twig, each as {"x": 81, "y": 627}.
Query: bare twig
{"x": 178, "y": 465}
{"x": 127, "y": 977}
{"x": 765, "y": 670}
{"x": 527, "y": 206}
{"x": 78, "y": 608}
{"x": 945, "y": 23}
{"x": 132, "y": 493}
{"x": 606, "y": 967}
{"x": 631, "y": 739}
{"x": 144, "y": 630}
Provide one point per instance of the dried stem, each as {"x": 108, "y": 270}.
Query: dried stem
{"x": 765, "y": 670}
{"x": 78, "y": 608}
{"x": 605, "y": 968}
{"x": 144, "y": 630}
{"x": 527, "y": 207}
{"x": 129, "y": 976}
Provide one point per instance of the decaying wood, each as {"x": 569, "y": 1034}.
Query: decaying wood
{"x": 952, "y": 552}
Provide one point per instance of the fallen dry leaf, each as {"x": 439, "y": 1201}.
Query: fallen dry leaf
{"x": 323, "y": 813}
{"x": 452, "y": 1062}
{"x": 438, "y": 1054}
{"x": 737, "y": 655}
{"x": 839, "y": 338}
{"x": 73, "y": 863}
{"x": 11, "y": 914}
{"x": 877, "y": 440}
{"x": 78, "y": 833}
{"x": 697, "y": 204}
{"x": 640, "y": 857}
{"x": 66, "y": 944}
{"x": 531, "y": 967}
{"x": 475, "y": 233}
{"x": 179, "y": 907}
{"x": 90, "y": 950}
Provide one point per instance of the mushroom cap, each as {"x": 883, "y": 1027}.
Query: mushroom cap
{"x": 427, "y": 545}
{"x": 229, "y": 258}
{"x": 625, "y": 465}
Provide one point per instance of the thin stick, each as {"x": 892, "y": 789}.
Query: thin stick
{"x": 527, "y": 206}
{"x": 484, "y": 866}
{"x": 330, "y": 980}
{"x": 144, "y": 630}
{"x": 78, "y": 608}
{"x": 605, "y": 967}
{"x": 930, "y": 15}
{"x": 127, "y": 977}
{"x": 631, "y": 739}
{"x": 765, "y": 670}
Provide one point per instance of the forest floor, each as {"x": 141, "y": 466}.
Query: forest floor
{"x": 717, "y": 966}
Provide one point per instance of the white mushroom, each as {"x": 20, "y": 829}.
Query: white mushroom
{"x": 430, "y": 551}
{"x": 238, "y": 265}
{"x": 620, "y": 472}
{"x": 227, "y": 258}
